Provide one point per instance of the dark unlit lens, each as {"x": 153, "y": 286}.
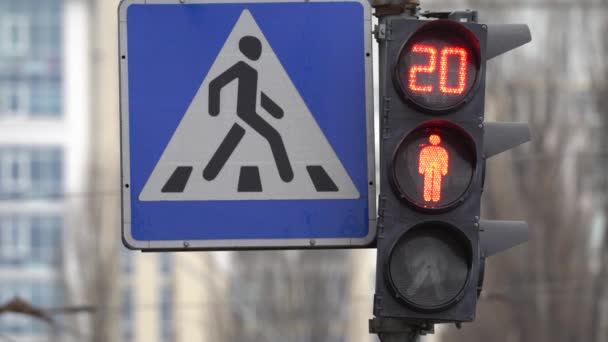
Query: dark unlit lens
{"x": 429, "y": 265}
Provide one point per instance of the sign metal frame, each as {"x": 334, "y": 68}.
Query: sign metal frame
{"x": 240, "y": 244}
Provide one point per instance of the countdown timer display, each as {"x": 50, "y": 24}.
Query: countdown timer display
{"x": 438, "y": 66}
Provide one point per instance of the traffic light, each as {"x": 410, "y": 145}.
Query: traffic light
{"x": 434, "y": 143}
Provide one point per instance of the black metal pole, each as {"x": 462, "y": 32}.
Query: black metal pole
{"x": 407, "y": 8}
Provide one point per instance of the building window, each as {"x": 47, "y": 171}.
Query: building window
{"x": 15, "y": 174}
{"x": 30, "y": 96}
{"x": 30, "y": 172}
{"x": 15, "y": 99}
{"x": 31, "y": 56}
{"x": 46, "y": 239}
{"x": 30, "y": 240}
{"x": 15, "y": 35}
{"x": 15, "y": 238}
{"x": 47, "y": 172}
{"x": 46, "y": 98}
{"x": 128, "y": 315}
{"x": 166, "y": 313}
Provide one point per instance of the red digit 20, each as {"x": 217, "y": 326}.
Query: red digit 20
{"x": 443, "y": 72}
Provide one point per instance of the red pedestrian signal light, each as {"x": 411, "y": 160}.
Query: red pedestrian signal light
{"x": 438, "y": 67}
{"x": 434, "y": 165}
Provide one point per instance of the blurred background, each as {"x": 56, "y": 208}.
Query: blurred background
{"x": 62, "y": 262}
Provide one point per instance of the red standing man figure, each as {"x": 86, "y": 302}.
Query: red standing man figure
{"x": 433, "y": 164}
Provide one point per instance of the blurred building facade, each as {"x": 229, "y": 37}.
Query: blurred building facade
{"x": 170, "y": 297}
{"x": 41, "y": 158}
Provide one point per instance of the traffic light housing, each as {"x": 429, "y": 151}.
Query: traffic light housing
{"x": 434, "y": 144}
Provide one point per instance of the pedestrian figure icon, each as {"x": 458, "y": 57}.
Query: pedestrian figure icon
{"x": 433, "y": 164}
{"x": 248, "y": 134}
{"x": 427, "y": 269}
{"x": 247, "y": 93}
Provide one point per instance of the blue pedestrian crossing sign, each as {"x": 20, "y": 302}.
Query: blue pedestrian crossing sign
{"x": 246, "y": 125}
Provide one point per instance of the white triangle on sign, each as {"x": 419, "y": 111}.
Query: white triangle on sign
{"x": 251, "y": 171}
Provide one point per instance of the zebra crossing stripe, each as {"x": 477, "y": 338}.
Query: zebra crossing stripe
{"x": 249, "y": 179}
{"x": 178, "y": 180}
{"x": 321, "y": 179}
